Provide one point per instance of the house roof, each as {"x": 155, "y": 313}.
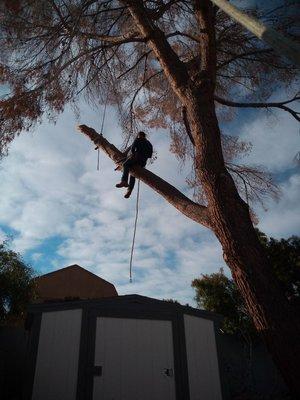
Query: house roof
{"x": 74, "y": 267}
{"x": 72, "y": 282}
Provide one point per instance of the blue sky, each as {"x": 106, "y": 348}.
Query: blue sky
{"x": 60, "y": 210}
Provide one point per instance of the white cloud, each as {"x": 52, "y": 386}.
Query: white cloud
{"x": 3, "y": 236}
{"x": 275, "y": 140}
{"x": 283, "y": 218}
{"x": 52, "y": 189}
{"x": 36, "y": 256}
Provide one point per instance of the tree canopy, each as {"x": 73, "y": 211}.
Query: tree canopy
{"x": 54, "y": 51}
{"x": 16, "y": 285}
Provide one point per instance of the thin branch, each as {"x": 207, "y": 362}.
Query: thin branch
{"x": 187, "y": 125}
{"x": 135, "y": 64}
{"x": 190, "y": 209}
{"x": 282, "y": 105}
{"x": 244, "y": 55}
{"x": 158, "y": 13}
{"x": 129, "y": 37}
{"x": 144, "y": 83}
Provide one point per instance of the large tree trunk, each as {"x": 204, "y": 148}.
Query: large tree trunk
{"x": 230, "y": 220}
{"x": 228, "y": 214}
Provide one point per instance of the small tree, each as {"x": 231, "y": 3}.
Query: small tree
{"x": 218, "y": 293}
{"x": 16, "y": 285}
{"x": 284, "y": 256}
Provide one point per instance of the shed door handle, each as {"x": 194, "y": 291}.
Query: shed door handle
{"x": 168, "y": 372}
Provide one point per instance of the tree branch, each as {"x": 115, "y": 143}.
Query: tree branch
{"x": 174, "y": 69}
{"x": 243, "y": 56}
{"x": 120, "y": 39}
{"x": 187, "y": 125}
{"x": 146, "y": 54}
{"x": 280, "y": 43}
{"x": 159, "y": 12}
{"x": 282, "y": 105}
{"x": 194, "y": 211}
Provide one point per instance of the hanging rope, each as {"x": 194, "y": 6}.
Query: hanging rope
{"x": 101, "y": 130}
{"x": 134, "y": 230}
{"x": 98, "y": 156}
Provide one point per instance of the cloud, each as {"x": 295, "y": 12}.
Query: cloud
{"x": 275, "y": 140}
{"x": 53, "y": 192}
{"x": 36, "y": 256}
{"x": 3, "y": 236}
{"x": 283, "y": 218}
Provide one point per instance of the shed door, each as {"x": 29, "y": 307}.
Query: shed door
{"x": 57, "y": 358}
{"x": 202, "y": 359}
{"x": 134, "y": 359}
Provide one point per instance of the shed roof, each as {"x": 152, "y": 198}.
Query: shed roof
{"x": 125, "y": 302}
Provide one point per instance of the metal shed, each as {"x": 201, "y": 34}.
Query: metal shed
{"x": 122, "y": 348}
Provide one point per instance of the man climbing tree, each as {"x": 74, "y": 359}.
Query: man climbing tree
{"x": 165, "y": 64}
{"x": 140, "y": 151}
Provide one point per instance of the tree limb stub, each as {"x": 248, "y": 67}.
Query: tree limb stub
{"x": 190, "y": 209}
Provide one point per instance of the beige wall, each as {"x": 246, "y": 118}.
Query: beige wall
{"x": 72, "y": 282}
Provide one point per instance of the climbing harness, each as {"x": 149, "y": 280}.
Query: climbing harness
{"x": 134, "y": 230}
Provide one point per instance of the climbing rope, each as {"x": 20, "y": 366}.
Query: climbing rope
{"x": 134, "y": 230}
{"x": 101, "y": 130}
{"x": 137, "y": 195}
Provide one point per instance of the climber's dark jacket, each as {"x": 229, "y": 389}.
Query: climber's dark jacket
{"x": 142, "y": 149}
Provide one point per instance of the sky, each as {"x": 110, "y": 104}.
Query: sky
{"x": 59, "y": 210}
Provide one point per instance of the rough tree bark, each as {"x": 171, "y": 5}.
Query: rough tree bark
{"x": 227, "y": 215}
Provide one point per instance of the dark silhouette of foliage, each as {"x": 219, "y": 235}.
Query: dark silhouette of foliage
{"x": 17, "y": 286}
{"x": 218, "y": 293}
{"x": 284, "y": 256}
